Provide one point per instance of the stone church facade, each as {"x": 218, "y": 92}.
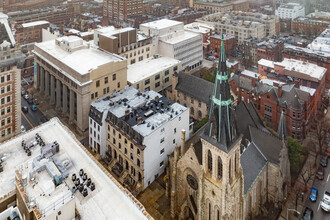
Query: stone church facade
{"x": 232, "y": 167}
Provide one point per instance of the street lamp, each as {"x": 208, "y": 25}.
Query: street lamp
{"x": 287, "y": 213}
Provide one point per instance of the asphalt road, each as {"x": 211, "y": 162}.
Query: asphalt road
{"x": 31, "y": 119}
{"x": 322, "y": 186}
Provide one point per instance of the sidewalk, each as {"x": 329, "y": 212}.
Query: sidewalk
{"x": 290, "y": 202}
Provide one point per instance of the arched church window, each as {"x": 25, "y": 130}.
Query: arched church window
{"x": 229, "y": 169}
{"x": 192, "y": 111}
{"x": 210, "y": 211}
{"x": 209, "y": 161}
{"x": 235, "y": 164}
{"x": 219, "y": 167}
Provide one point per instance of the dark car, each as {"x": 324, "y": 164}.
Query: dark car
{"x": 25, "y": 109}
{"x": 308, "y": 214}
{"x": 324, "y": 161}
{"x": 30, "y": 101}
{"x": 320, "y": 173}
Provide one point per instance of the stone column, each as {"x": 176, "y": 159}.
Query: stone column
{"x": 42, "y": 80}
{"x": 52, "y": 90}
{"x": 71, "y": 114}
{"x": 38, "y": 75}
{"x": 65, "y": 99}
{"x": 46, "y": 83}
{"x": 58, "y": 94}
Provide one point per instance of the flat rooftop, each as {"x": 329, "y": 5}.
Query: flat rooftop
{"x": 180, "y": 37}
{"x": 161, "y": 24}
{"x": 110, "y": 31}
{"x": 35, "y": 23}
{"x": 267, "y": 63}
{"x": 83, "y": 60}
{"x": 109, "y": 200}
{"x": 149, "y": 67}
{"x": 315, "y": 51}
{"x": 308, "y": 69}
{"x": 322, "y": 42}
{"x": 130, "y": 104}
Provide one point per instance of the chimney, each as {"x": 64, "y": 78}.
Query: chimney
{"x": 279, "y": 90}
{"x": 183, "y": 141}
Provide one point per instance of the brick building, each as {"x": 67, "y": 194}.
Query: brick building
{"x": 309, "y": 55}
{"x": 307, "y": 76}
{"x": 270, "y": 50}
{"x": 118, "y": 11}
{"x": 30, "y": 32}
{"x": 272, "y": 99}
{"x": 308, "y": 26}
{"x": 230, "y": 43}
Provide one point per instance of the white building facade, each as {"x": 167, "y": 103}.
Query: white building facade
{"x": 135, "y": 132}
{"x": 171, "y": 40}
{"x": 290, "y": 11}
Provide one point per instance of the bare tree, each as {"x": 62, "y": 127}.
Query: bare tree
{"x": 307, "y": 174}
{"x": 322, "y": 127}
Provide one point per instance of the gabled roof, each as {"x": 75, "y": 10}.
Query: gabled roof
{"x": 196, "y": 87}
{"x": 269, "y": 145}
{"x": 253, "y": 162}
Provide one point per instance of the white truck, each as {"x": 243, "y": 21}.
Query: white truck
{"x": 325, "y": 203}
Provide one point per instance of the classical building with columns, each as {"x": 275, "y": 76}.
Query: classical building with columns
{"x": 232, "y": 167}
{"x": 71, "y": 74}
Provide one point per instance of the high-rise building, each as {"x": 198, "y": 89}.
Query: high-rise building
{"x": 290, "y": 11}
{"x": 119, "y": 10}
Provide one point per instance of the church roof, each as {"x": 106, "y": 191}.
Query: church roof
{"x": 253, "y": 162}
{"x": 281, "y": 131}
{"x": 196, "y": 87}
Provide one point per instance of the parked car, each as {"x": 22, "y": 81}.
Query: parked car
{"x": 308, "y": 214}
{"x": 327, "y": 151}
{"x": 26, "y": 97}
{"x": 34, "y": 108}
{"x": 324, "y": 161}
{"x": 313, "y": 195}
{"x": 325, "y": 203}
{"x": 30, "y": 101}
{"x": 25, "y": 109}
{"x": 320, "y": 173}
{"x": 23, "y": 128}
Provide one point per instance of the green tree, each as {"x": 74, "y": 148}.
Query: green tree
{"x": 296, "y": 151}
{"x": 200, "y": 124}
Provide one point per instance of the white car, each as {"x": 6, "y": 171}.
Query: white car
{"x": 23, "y": 128}
{"x": 325, "y": 203}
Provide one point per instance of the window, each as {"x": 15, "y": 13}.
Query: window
{"x": 219, "y": 168}
{"x": 138, "y": 162}
{"x": 162, "y": 140}
{"x": 137, "y": 86}
{"x": 8, "y": 120}
{"x": 167, "y": 79}
{"x": 147, "y": 82}
{"x": 8, "y": 77}
{"x": 125, "y": 151}
{"x": 118, "y": 85}
{"x": 140, "y": 58}
{"x": 132, "y": 156}
{"x": 114, "y": 77}
{"x": 174, "y": 130}
{"x": 192, "y": 100}
{"x": 8, "y": 98}
{"x": 132, "y": 61}
{"x": 173, "y": 141}
{"x": 192, "y": 111}
{"x": 8, "y": 88}
{"x": 229, "y": 170}
{"x": 104, "y": 91}
{"x": 147, "y": 88}
{"x": 157, "y": 84}
{"x": 161, "y": 164}
{"x": 268, "y": 108}
{"x": 175, "y": 68}
{"x": 98, "y": 83}
{"x": 96, "y": 94}
{"x": 8, "y": 109}
{"x": 106, "y": 80}
{"x": 162, "y": 151}
{"x": 209, "y": 161}
{"x": 132, "y": 147}
{"x": 92, "y": 96}
{"x": 199, "y": 114}
{"x": 138, "y": 152}
{"x": 167, "y": 72}
{"x": 157, "y": 77}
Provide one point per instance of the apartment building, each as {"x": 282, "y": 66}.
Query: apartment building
{"x": 308, "y": 26}
{"x": 303, "y": 74}
{"x": 126, "y": 42}
{"x": 10, "y": 91}
{"x": 51, "y": 175}
{"x": 118, "y": 11}
{"x": 72, "y": 74}
{"x": 154, "y": 73}
{"x": 169, "y": 39}
{"x": 30, "y": 32}
{"x": 290, "y": 11}
{"x": 221, "y": 6}
{"x": 230, "y": 43}
{"x": 242, "y": 25}
{"x": 135, "y": 132}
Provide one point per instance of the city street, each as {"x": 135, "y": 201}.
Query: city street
{"x": 322, "y": 186}
{"x": 31, "y": 118}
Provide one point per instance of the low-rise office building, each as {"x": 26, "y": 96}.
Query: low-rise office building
{"x": 30, "y": 32}
{"x": 135, "y": 132}
{"x": 154, "y": 73}
{"x": 72, "y": 74}
{"x": 290, "y": 11}
{"x": 171, "y": 40}
{"x": 48, "y": 174}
